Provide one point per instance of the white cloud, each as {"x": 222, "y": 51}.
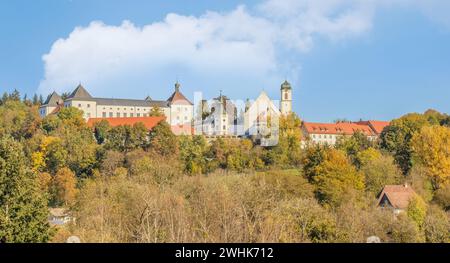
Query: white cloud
{"x": 244, "y": 41}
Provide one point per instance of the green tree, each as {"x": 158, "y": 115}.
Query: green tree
{"x": 156, "y": 112}
{"x": 396, "y": 138}
{"x": 417, "y": 210}
{"x": 380, "y": 171}
{"x": 23, "y": 209}
{"x": 35, "y": 100}
{"x": 162, "y": 140}
{"x": 101, "y": 130}
{"x": 354, "y": 144}
{"x": 126, "y": 138}
{"x": 15, "y": 95}
{"x": 313, "y": 157}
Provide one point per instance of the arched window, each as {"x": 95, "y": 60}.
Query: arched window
{"x": 286, "y": 96}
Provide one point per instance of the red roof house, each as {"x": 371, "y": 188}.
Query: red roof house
{"x": 341, "y": 128}
{"x": 396, "y": 196}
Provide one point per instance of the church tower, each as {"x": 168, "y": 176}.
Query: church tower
{"x": 286, "y": 98}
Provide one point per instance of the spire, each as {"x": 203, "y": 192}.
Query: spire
{"x": 177, "y": 86}
{"x": 286, "y": 85}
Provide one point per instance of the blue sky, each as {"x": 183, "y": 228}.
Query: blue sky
{"x": 345, "y": 58}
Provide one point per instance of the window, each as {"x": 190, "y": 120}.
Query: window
{"x": 104, "y": 114}
{"x": 89, "y": 105}
{"x": 88, "y": 115}
{"x": 224, "y": 127}
{"x": 286, "y": 96}
{"x": 118, "y": 115}
{"x": 178, "y": 117}
{"x": 185, "y": 118}
{"x": 110, "y": 114}
{"x": 131, "y": 115}
{"x": 125, "y": 115}
{"x": 138, "y": 114}
{"x": 79, "y": 105}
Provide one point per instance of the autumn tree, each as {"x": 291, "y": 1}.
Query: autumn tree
{"x": 405, "y": 230}
{"x": 288, "y": 150}
{"x": 303, "y": 220}
{"x": 442, "y": 196}
{"x": 74, "y": 147}
{"x": 431, "y": 149}
{"x": 194, "y": 155}
{"x": 337, "y": 179}
{"x": 436, "y": 225}
{"x": 64, "y": 187}
{"x": 18, "y": 120}
{"x": 23, "y": 208}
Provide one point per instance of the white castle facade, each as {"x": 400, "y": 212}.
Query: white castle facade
{"x": 220, "y": 118}
{"x": 177, "y": 109}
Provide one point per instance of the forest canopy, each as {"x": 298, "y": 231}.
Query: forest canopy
{"x": 128, "y": 184}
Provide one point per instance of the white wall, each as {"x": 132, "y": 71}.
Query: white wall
{"x": 181, "y": 114}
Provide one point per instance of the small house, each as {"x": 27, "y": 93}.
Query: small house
{"x": 396, "y": 197}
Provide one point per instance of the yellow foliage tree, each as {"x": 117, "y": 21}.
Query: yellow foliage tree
{"x": 431, "y": 149}
{"x": 336, "y": 179}
{"x": 64, "y": 185}
{"x": 37, "y": 161}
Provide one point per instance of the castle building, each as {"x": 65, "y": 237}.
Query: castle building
{"x": 177, "y": 109}
{"x": 219, "y": 118}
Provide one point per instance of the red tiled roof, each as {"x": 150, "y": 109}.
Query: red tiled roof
{"x": 149, "y": 122}
{"x": 178, "y": 98}
{"x": 398, "y": 196}
{"x": 377, "y": 126}
{"x": 342, "y": 128}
